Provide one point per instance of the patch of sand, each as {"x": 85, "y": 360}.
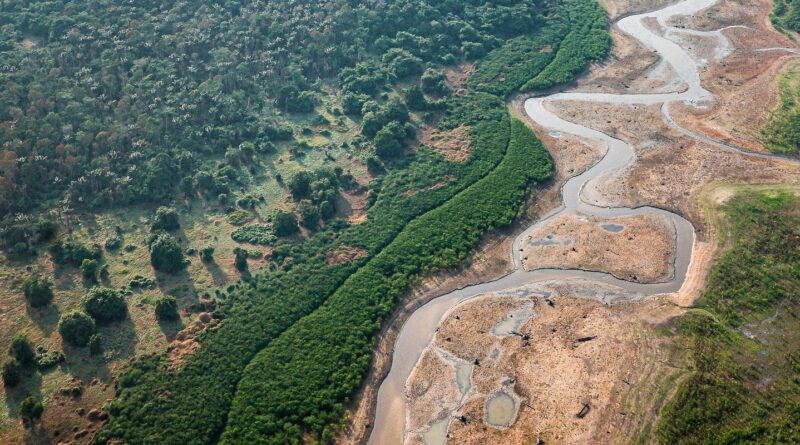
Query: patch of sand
{"x": 578, "y": 353}
{"x": 576, "y": 241}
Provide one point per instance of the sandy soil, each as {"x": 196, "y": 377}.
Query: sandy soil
{"x": 670, "y": 170}
{"x": 577, "y": 353}
{"x": 626, "y": 371}
{"x": 577, "y": 241}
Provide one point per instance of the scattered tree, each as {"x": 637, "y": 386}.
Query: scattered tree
{"x": 207, "y": 254}
{"x": 31, "y": 409}
{"x": 22, "y": 351}
{"x": 105, "y": 305}
{"x": 89, "y": 269}
{"x": 76, "y": 328}
{"x": 167, "y": 308}
{"x": 166, "y": 218}
{"x": 166, "y": 254}
{"x": 38, "y": 290}
{"x": 241, "y": 259}
{"x": 285, "y": 223}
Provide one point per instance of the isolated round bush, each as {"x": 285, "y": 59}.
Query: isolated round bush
{"x": 31, "y": 408}
{"x": 12, "y": 373}
{"x": 166, "y": 218}
{"x": 167, "y": 309}
{"x": 166, "y": 254}
{"x": 105, "y": 305}
{"x": 38, "y": 290}
{"x": 22, "y": 351}
{"x": 76, "y": 328}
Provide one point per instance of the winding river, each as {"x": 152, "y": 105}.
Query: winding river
{"x": 419, "y": 329}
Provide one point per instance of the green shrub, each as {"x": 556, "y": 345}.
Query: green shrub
{"x": 73, "y": 252}
{"x": 255, "y": 234}
{"x": 38, "y": 291}
{"x": 166, "y": 218}
{"x": 113, "y": 241}
{"x": 166, "y": 254}
{"x": 239, "y": 217}
{"x": 31, "y": 408}
{"x": 46, "y": 360}
{"x": 22, "y": 351}
{"x": 241, "y": 259}
{"x": 141, "y": 282}
{"x": 285, "y": 224}
{"x": 105, "y": 305}
{"x": 76, "y": 328}
{"x": 89, "y": 269}
{"x": 167, "y": 309}
{"x": 207, "y": 254}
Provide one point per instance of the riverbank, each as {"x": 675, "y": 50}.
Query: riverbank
{"x": 662, "y": 150}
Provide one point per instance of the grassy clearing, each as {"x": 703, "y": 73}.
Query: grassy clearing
{"x": 745, "y": 386}
{"x": 782, "y": 133}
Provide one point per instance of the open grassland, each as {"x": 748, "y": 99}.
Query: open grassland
{"x": 782, "y": 133}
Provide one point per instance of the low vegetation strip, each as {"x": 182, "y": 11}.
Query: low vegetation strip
{"x": 782, "y": 132}
{"x": 587, "y": 41}
{"x": 301, "y": 381}
{"x": 745, "y": 387}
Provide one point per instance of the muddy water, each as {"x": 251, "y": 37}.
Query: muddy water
{"x": 419, "y": 329}
{"x": 500, "y": 410}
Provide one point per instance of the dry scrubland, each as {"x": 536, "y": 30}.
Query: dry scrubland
{"x": 634, "y": 364}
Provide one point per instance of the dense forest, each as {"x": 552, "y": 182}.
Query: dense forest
{"x": 107, "y": 104}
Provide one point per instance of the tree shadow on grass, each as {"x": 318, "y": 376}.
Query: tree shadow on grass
{"x": 45, "y": 318}
{"x": 31, "y": 385}
{"x": 170, "y": 328}
{"x": 217, "y": 274}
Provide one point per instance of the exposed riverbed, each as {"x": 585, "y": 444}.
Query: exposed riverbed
{"x": 420, "y": 327}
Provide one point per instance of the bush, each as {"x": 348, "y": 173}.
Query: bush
{"x": 31, "y": 408}
{"x": 285, "y": 224}
{"x": 166, "y": 218}
{"x": 12, "y": 373}
{"x": 22, "y": 351}
{"x": 255, "y": 234}
{"x": 76, "y": 328}
{"x": 46, "y": 360}
{"x": 105, "y": 305}
{"x": 38, "y": 291}
{"x": 207, "y": 254}
{"x": 241, "y": 259}
{"x": 167, "y": 309}
{"x": 89, "y": 269}
{"x": 73, "y": 252}
{"x": 113, "y": 241}
{"x": 166, "y": 254}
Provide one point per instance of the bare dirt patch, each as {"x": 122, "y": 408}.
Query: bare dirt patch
{"x": 576, "y": 241}
{"x": 579, "y": 353}
{"x": 670, "y": 170}
{"x": 458, "y": 77}
{"x": 344, "y": 254}
{"x": 454, "y": 144}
